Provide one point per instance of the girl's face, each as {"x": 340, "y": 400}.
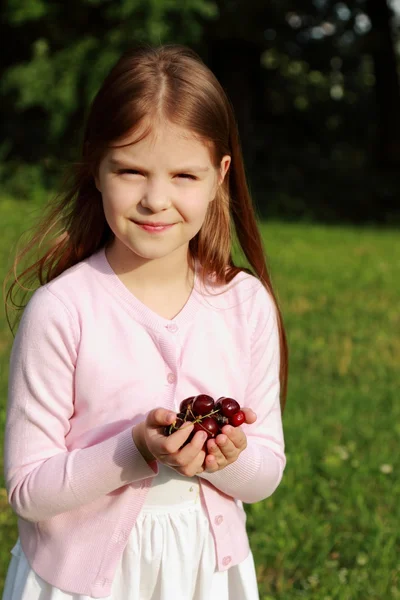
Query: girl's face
{"x": 166, "y": 178}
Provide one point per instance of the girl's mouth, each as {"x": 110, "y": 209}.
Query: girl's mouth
{"x": 154, "y": 228}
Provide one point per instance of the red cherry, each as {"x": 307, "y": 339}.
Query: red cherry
{"x": 209, "y": 425}
{"x": 237, "y": 419}
{"x": 218, "y": 403}
{"x": 185, "y": 404}
{"x": 202, "y": 404}
{"x": 221, "y": 420}
{"x": 227, "y": 406}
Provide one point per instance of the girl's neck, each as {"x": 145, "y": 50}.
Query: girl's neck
{"x": 166, "y": 273}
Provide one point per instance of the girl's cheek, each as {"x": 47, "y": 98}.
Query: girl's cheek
{"x": 121, "y": 198}
{"x": 195, "y": 201}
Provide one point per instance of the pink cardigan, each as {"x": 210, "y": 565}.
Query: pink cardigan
{"x": 88, "y": 362}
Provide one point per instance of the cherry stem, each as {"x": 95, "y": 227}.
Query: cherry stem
{"x": 197, "y": 418}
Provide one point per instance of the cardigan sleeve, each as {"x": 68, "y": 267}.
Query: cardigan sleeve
{"x": 43, "y": 478}
{"x": 257, "y": 472}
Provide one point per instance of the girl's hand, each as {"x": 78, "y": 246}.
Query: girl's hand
{"x": 154, "y": 445}
{"x": 226, "y": 447}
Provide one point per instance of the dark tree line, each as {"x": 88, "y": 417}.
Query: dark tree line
{"x": 314, "y": 85}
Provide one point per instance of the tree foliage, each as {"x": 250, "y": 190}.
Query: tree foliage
{"x": 66, "y": 50}
{"x": 314, "y": 85}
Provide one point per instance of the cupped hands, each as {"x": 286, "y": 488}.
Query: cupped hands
{"x": 198, "y": 454}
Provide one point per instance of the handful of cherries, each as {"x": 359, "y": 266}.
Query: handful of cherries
{"x": 207, "y": 415}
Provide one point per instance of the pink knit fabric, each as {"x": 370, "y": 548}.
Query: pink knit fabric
{"x": 89, "y": 361}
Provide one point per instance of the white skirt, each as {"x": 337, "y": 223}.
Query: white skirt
{"x": 170, "y": 555}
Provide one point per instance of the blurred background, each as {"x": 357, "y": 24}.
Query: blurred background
{"x": 315, "y": 87}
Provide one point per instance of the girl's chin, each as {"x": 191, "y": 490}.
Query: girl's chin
{"x": 141, "y": 253}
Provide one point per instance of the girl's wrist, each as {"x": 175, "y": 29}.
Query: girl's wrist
{"x": 140, "y": 443}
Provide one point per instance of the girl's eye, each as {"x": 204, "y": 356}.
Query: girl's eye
{"x": 187, "y": 176}
{"x": 134, "y": 172}
{"x": 122, "y": 171}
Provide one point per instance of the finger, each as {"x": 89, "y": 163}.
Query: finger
{"x": 212, "y": 465}
{"x": 196, "y": 466}
{"x": 172, "y": 443}
{"x": 215, "y": 458}
{"x": 160, "y": 417}
{"x": 189, "y": 460}
{"x": 250, "y": 415}
{"x": 191, "y": 450}
{"x": 227, "y": 447}
{"x": 214, "y": 450}
{"x": 235, "y": 436}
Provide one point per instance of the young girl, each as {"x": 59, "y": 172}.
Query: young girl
{"x": 141, "y": 306}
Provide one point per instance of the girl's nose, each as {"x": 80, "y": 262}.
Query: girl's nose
{"x": 156, "y": 197}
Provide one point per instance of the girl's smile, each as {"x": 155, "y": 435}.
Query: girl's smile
{"x": 154, "y": 228}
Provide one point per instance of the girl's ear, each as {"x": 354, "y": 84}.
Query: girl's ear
{"x": 97, "y": 180}
{"x": 225, "y": 164}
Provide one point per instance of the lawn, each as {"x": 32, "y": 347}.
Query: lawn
{"x": 331, "y": 530}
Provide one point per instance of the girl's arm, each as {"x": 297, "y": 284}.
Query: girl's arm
{"x": 43, "y": 478}
{"x": 258, "y": 470}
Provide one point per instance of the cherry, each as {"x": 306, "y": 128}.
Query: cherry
{"x": 186, "y": 404}
{"x": 221, "y": 420}
{"x": 227, "y": 406}
{"x": 198, "y": 408}
{"x": 209, "y": 425}
{"x": 202, "y": 404}
{"x": 237, "y": 419}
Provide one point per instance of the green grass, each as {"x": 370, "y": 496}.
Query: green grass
{"x": 331, "y": 530}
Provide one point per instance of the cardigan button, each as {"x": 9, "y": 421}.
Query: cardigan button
{"x": 172, "y": 327}
{"x": 226, "y": 560}
{"x": 171, "y": 377}
{"x": 218, "y": 519}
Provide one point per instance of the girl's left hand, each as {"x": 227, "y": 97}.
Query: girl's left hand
{"x": 226, "y": 447}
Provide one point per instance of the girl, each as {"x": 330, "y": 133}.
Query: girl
{"x": 141, "y": 306}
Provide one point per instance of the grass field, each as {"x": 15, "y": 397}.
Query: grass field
{"x": 332, "y": 529}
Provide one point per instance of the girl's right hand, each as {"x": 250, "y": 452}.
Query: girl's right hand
{"x": 154, "y": 445}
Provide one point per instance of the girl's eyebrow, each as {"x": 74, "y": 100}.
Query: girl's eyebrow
{"x": 115, "y": 162}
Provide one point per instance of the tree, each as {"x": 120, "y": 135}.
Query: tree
{"x": 387, "y": 87}
{"x": 57, "y": 54}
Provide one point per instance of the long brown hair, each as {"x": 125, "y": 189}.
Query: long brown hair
{"x": 170, "y": 82}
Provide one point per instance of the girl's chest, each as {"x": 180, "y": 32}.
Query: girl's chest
{"x": 120, "y": 374}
